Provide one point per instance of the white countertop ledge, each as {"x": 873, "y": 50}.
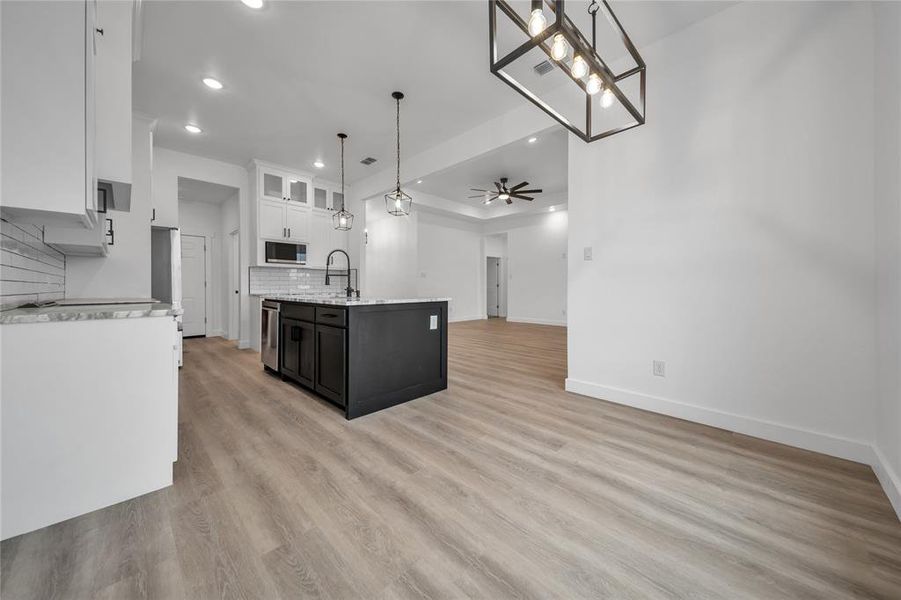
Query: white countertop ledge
{"x": 50, "y": 314}
{"x": 341, "y": 301}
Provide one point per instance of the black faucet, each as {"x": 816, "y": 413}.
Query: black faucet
{"x": 349, "y": 290}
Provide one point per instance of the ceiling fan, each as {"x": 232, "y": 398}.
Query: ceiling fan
{"x": 504, "y": 193}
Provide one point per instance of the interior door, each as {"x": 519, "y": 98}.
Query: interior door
{"x": 492, "y": 286}
{"x": 193, "y": 284}
{"x": 234, "y": 276}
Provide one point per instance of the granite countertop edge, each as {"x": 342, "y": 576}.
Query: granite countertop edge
{"x": 52, "y": 314}
{"x": 346, "y": 301}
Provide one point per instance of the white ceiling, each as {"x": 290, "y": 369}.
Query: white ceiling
{"x": 296, "y": 73}
{"x": 542, "y": 163}
{"x": 204, "y": 191}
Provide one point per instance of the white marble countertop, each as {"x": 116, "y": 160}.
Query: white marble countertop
{"x": 343, "y": 301}
{"x": 49, "y": 314}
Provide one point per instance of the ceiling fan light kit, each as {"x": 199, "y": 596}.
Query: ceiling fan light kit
{"x": 570, "y": 50}
{"x": 397, "y": 202}
{"x": 507, "y": 194}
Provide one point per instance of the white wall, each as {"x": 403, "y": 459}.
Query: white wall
{"x": 168, "y": 166}
{"x": 126, "y": 271}
{"x": 888, "y": 246}
{"x": 450, "y": 259}
{"x": 230, "y": 221}
{"x": 732, "y": 235}
{"x": 391, "y": 262}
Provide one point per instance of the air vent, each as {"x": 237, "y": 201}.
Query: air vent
{"x": 367, "y": 161}
{"x": 544, "y": 67}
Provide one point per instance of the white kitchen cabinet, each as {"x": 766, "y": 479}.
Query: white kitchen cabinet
{"x": 272, "y": 219}
{"x": 48, "y": 112}
{"x": 298, "y": 190}
{"x": 321, "y": 198}
{"x": 90, "y": 434}
{"x": 297, "y": 222}
{"x": 112, "y": 98}
{"x": 272, "y": 185}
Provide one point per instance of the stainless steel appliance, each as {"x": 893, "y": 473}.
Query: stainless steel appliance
{"x": 269, "y": 334}
{"x": 286, "y": 253}
{"x": 165, "y": 271}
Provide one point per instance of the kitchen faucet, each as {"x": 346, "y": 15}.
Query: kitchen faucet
{"x": 349, "y": 290}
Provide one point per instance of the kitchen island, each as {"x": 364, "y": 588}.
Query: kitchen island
{"x": 362, "y": 354}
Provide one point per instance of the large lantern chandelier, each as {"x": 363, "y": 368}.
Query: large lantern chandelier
{"x": 343, "y": 219}
{"x": 397, "y": 202}
{"x": 585, "y": 94}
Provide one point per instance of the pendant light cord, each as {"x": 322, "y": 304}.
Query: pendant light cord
{"x": 397, "y": 124}
{"x": 593, "y": 11}
{"x": 342, "y": 174}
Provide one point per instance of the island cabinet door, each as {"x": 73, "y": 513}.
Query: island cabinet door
{"x": 298, "y": 351}
{"x": 331, "y": 363}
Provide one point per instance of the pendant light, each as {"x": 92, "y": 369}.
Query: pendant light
{"x": 343, "y": 219}
{"x": 397, "y": 202}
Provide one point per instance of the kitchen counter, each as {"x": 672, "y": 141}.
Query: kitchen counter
{"x": 50, "y": 314}
{"x": 362, "y": 354}
{"x": 344, "y": 301}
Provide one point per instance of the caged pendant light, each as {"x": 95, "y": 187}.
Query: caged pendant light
{"x": 343, "y": 219}
{"x": 595, "y": 83}
{"x": 397, "y": 202}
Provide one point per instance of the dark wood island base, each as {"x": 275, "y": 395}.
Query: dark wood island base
{"x": 364, "y": 356}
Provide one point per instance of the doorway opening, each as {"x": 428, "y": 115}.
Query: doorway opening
{"x": 496, "y": 296}
{"x": 194, "y": 285}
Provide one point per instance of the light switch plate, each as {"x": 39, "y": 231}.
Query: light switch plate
{"x": 586, "y": 253}
{"x": 433, "y": 321}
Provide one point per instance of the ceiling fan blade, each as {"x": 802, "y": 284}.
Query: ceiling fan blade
{"x": 477, "y": 190}
{"x": 528, "y": 191}
{"x": 479, "y": 196}
{"x": 521, "y": 197}
{"x": 498, "y": 186}
{"x": 519, "y": 185}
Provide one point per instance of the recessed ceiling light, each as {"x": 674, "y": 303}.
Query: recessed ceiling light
{"x": 532, "y": 140}
{"x": 318, "y": 164}
{"x": 552, "y": 209}
{"x": 213, "y": 84}
{"x": 253, "y": 3}
{"x": 193, "y": 128}
{"x": 419, "y": 181}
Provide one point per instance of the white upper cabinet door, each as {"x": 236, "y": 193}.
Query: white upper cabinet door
{"x": 112, "y": 143}
{"x": 320, "y": 198}
{"x": 297, "y": 221}
{"x": 337, "y": 201}
{"x": 298, "y": 190}
{"x": 272, "y": 220}
{"x": 272, "y": 185}
{"x": 47, "y": 98}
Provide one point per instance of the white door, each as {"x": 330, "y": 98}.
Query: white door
{"x": 493, "y": 285}
{"x": 193, "y": 284}
{"x": 272, "y": 220}
{"x": 297, "y": 222}
{"x": 234, "y": 277}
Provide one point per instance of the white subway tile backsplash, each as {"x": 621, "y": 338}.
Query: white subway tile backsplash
{"x": 30, "y": 270}
{"x": 281, "y": 280}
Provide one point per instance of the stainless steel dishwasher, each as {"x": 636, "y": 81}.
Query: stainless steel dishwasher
{"x": 269, "y": 334}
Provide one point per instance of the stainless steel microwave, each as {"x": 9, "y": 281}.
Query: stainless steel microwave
{"x": 286, "y": 253}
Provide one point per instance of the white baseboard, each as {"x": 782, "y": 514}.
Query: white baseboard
{"x": 243, "y": 344}
{"x": 888, "y": 479}
{"x": 216, "y": 333}
{"x": 536, "y": 321}
{"x": 465, "y": 318}
{"x": 775, "y": 432}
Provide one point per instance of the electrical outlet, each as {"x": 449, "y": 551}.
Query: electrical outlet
{"x": 586, "y": 253}
{"x": 433, "y": 321}
{"x": 659, "y": 368}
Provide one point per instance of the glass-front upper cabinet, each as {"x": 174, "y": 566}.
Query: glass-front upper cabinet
{"x": 320, "y": 198}
{"x": 297, "y": 190}
{"x": 272, "y": 185}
